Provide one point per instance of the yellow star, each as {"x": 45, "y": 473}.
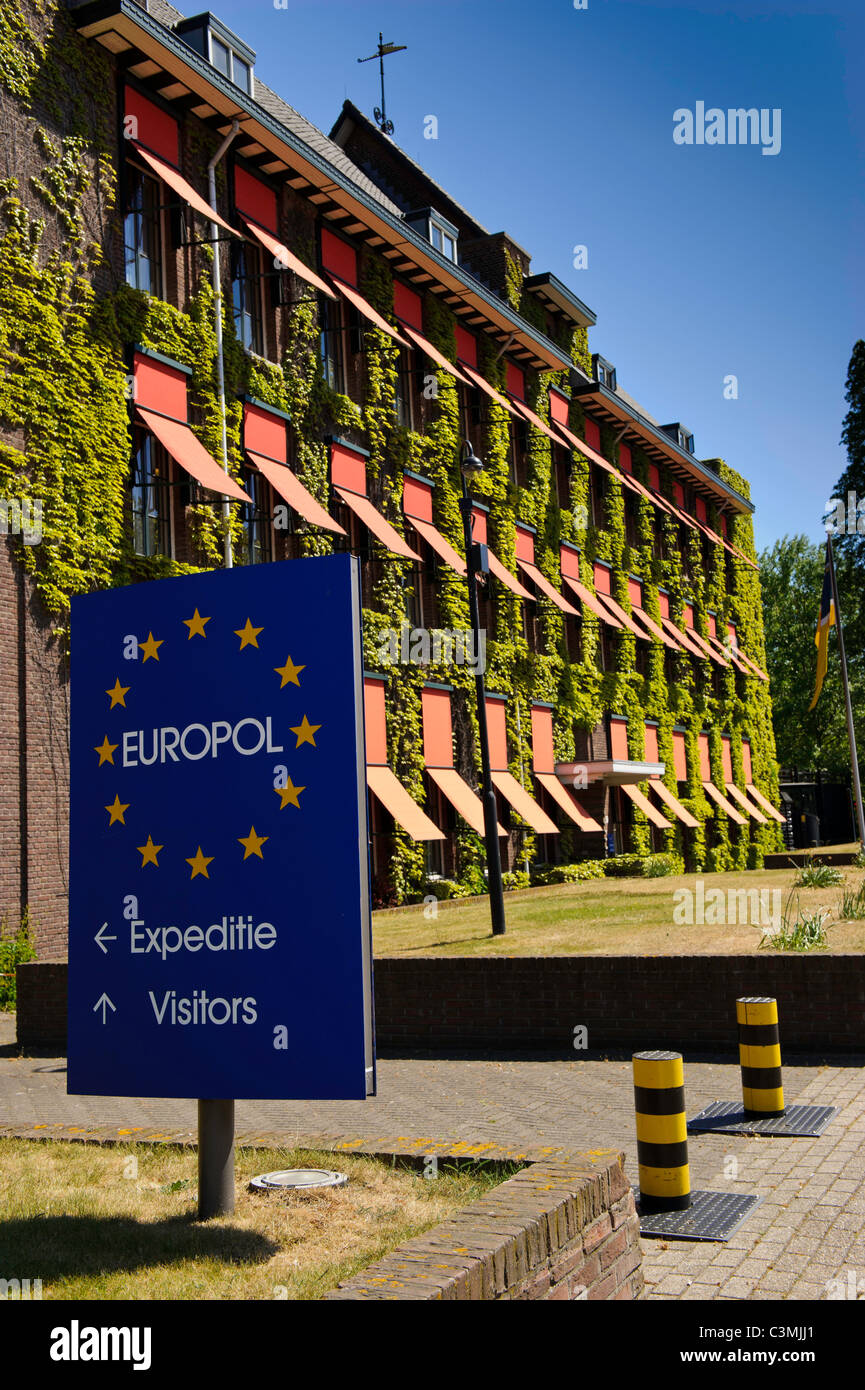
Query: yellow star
{"x": 150, "y": 648}
{"x": 248, "y": 634}
{"x": 117, "y": 810}
{"x": 305, "y": 732}
{"x": 106, "y": 751}
{"x": 252, "y": 843}
{"x": 199, "y": 863}
{"x": 289, "y": 793}
{"x": 289, "y": 672}
{"x": 149, "y": 852}
{"x": 196, "y": 625}
{"x": 118, "y": 694}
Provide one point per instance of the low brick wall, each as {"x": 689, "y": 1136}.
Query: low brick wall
{"x": 564, "y": 1230}
{"x": 511, "y": 1003}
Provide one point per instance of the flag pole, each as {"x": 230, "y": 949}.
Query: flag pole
{"x": 851, "y": 733}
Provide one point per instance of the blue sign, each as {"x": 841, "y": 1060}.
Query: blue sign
{"x": 219, "y": 923}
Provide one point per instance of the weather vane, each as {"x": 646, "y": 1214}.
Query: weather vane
{"x": 384, "y": 49}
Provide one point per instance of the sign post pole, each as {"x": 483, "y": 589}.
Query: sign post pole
{"x": 215, "y": 1158}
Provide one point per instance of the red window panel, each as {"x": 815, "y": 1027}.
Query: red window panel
{"x": 264, "y": 433}
{"x": 625, "y": 462}
{"x": 438, "y": 748}
{"x": 723, "y": 520}
{"x": 592, "y": 434}
{"x": 619, "y": 739}
{"x": 152, "y": 127}
{"x": 731, "y": 633}
{"x": 655, "y": 477}
{"x": 417, "y": 499}
{"x": 651, "y": 753}
{"x": 680, "y": 756}
{"x": 408, "y": 306}
{"x": 525, "y": 545}
{"x": 479, "y": 526}
{"x": 159, "y": 387}
{"x": 497, "y": 730}
{"x": 515, "y": 381}
{"x": 348, "y": 469}
{"x": 713, "y": 625}
{"x": 543, "y": 759}
{"x": 375, "y": 721}
{"x": 678, "y": 493}
{"x": 603, "y": 578}
{"x": 467, "y": 347}
{"x": 705, "y": 762}
{"x": 570, "y": 562}
{"x": 338, "y": 257}
{"x": 635, "y": 590}
{"x": 559, "y": 407}
{"x": 746, "y": 761}
{"x": 700, "y": 509}
{"x": 726, "y": 758}
{"x": 688, "y": 614}
{"x": 664, "y": 603}
{"x": 254, "y": 199}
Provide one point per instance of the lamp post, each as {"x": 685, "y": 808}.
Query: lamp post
{"x": 477, "y": 563}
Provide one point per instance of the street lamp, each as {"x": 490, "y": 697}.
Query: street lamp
{"x": 477, "y": 562}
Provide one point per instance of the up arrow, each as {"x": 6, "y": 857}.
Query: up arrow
{"x": 104, "y": 1003}
{"x": 98, "y": 938}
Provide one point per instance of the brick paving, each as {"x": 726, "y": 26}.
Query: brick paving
{"x": 808, "y": 1230}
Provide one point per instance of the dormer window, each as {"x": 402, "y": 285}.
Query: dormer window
{"x": 683, "y": 436}
{"x": 227, "y": 53}
{"x": 604, "y": 372}
{"x": 441, "y": 234}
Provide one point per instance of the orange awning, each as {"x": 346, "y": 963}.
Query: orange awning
{"x": 702, "y": 643}
{"x": 753, "y": 665}
{"x": 656, "y": 631}
{"x": 588, "y": 598}
{"x": 624, "y": 618}
{"x": 461, "y": 797}
{"x": 191, "y": 454}
{"x": 175, "y": 180}
{"x": 551, "y": 592}
{"x": 432, "y": 352}
{"x": 686, "y": 642}
{"x": 568, "y": 802}
{"x": 644, "y": 804}
{"x": 534, "y": 419}
{"x": 765, "y": 804}
{"x": 741, "y": 800}
{"x": 364, "y": 307}
{"x": 289, "y": 487}
{"x": 404, "y": 809}
{"x": 441, "y": 546}
{"x": 584, "y": 448}
{"x": 714, "y": 795}
{"x": 375, "y": 522}
{"x": 524, "y": 804}
{"x": 287, "y": 258}
{"x": 505, "y": 577}
{"x": 663, "y": 793}
{"x": 476, "y": 379}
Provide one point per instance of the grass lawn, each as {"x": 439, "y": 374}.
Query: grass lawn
{"x": 605, "y": 917}
{"x": 96, "y": 1222}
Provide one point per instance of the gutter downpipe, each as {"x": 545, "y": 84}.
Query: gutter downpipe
{"x": 217, "y": 317}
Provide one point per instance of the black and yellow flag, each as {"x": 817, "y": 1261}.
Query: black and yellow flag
{"x": 825, "y": 621}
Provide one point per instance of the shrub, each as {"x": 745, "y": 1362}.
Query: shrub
{"x": 813, "y": 875}
{"x": 852, "y": 905}
{"x": 660, "y": 865}
{"x": 644, "y": 866}
{"x": 568, "y": 873}
{"x": 518, "y": 879}
{"x": 441, "y": 888}
{"x": 806, "y": 931}
{"x": 14, "y": 947}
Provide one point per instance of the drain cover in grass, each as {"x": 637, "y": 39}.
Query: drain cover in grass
{"x": 298, "y": 1179}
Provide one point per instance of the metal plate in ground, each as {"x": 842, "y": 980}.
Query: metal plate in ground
{"x": 297, "y": 1179}
{"x": 711, "y": 1216}
{"x": 797, "y": 1122}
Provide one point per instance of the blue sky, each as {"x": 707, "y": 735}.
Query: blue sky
{"x": 556, "y": 125}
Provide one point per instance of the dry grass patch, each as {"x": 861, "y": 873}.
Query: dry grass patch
{"x": 624, "y": 916}
{"x": 113, "y": 1222}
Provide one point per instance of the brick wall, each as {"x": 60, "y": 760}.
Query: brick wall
{"x": 513, "y": 1003}
{"x": 559, "y": 1231}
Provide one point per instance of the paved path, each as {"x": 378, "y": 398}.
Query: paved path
{"x": 809, "y": 1229}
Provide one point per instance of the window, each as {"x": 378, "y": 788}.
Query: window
{"x": 443, "y": 241}
{"x": 470, "y": 416}
{"x": 519, "y": 452}
{"x": 437, "y": 230}
{"x": 596, "y": 496}
{"x": 256, "y": 546}
{"x": 413, "y": 594}
{"x": 604, "y": 372}
{"x": 230, "y": 64}
{"x": 631, "y": 520}
{"x": 404, "y": 390}
{"x": 562, "y": 476}
{"x": 331, "y": 349}
{"x": 151, "y": 497}
{"x": 142, "y": 228}
{"x": 246, "y": 295}
{"x": 220, "y": 56}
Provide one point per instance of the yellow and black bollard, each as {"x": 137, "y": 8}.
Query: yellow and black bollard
{"x": 662, "y": 1137}
{"x": 760, "y": 1057}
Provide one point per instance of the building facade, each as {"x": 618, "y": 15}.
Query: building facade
{"x": 370, "y": 327}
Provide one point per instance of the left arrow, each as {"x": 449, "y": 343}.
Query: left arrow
{"x": 98, "y": 938}
{"x": 104, "y": 1003}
